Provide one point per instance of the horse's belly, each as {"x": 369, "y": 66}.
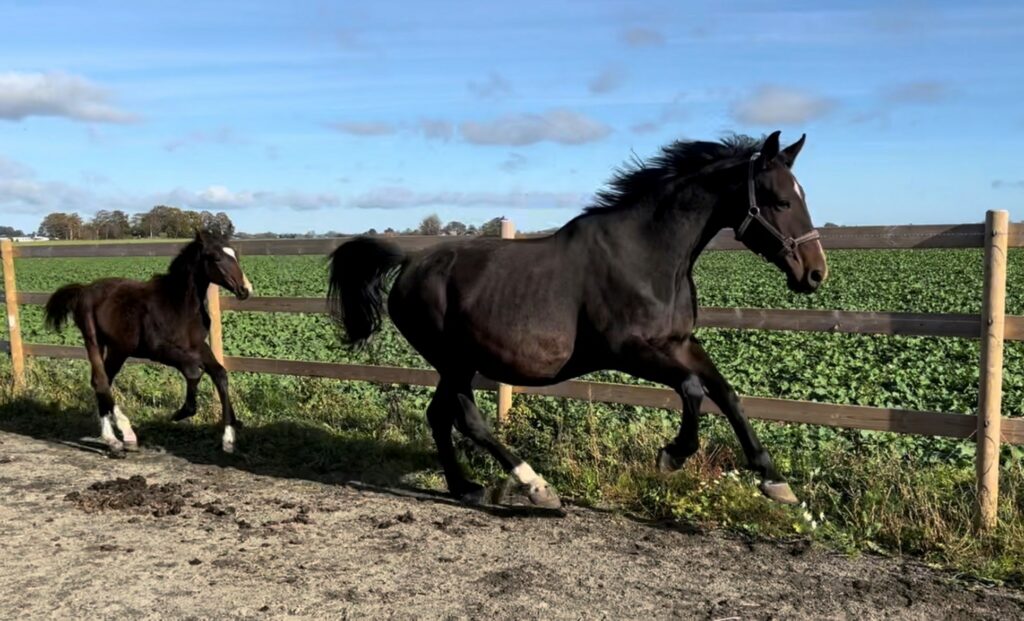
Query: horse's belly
{"x": 526, "y": 356}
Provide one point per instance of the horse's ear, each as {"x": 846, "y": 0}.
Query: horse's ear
{"x": 788, "y": 155}
{"x": 770, "y": 148}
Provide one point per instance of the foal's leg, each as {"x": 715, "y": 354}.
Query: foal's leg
{"x": 471, "y": 424}
{"x": 772, "y": 485}
{"x": 111, "y": 365}
{"x": 191, "y": 368}
{"x": 441, "y": 416}
{"x": 104, "y": 396}
{"x": 686, "y": 442}
{"x": 219, "y": 376}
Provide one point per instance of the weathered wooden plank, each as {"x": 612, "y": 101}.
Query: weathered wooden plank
{"x": 849, "y": 322}
{"x": 834, "y": 238}
{"x": 781, "y": 410}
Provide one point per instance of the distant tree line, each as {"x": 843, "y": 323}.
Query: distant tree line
{"x": 160, "y": 221}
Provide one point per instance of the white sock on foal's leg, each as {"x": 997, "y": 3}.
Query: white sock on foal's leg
{"x": 107, "y": 433}
{"x": 125, "y": 426}
{"x": 525, "y": 475}
{"x": 228, "y": 441}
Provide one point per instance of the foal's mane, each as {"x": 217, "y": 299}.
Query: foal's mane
{"x": 183, "y": 266}
{"x": 642, "y": 179}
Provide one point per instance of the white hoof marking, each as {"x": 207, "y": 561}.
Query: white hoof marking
{"x": 125, "y": 426}
{"x": 228, "y": 441}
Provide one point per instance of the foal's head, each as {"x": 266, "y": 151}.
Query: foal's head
{"x": 773, "y": 220}
{"x": 219, "y": 263}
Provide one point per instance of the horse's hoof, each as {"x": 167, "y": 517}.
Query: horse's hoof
{"x": 544, "y": 496}
{"x": 182, "y": 414}
{"x": 116, "y": 452}
{"x": 472, "y": 494}
{"x": 667, "y": 462}
{"x": 779, "y": 491}
{"x": 131, "y": 447}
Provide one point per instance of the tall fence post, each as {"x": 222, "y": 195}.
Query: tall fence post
{"x": 508, "y": 231}
{"x": 990, "y": 390}
{"x": 216, "y": 328}
{"x": 13, "y": 324}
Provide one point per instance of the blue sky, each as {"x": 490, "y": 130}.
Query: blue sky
{"x": 349, "y": 115}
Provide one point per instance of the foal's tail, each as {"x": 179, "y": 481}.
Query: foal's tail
{"x": 358, "y": 276}
{"x": 62, "y": 303}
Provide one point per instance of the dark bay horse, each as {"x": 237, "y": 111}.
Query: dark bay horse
{"x": 163, "y": 319}
{"x": 612, "y": 289}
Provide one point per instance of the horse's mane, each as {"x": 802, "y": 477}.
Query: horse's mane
{"x": 640, "y": 179}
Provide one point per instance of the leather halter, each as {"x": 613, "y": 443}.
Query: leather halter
{"x": 789, "y": 244}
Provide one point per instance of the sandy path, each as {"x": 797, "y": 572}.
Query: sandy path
{"x": 228, "y": 544}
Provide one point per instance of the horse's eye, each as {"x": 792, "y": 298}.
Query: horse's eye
{"x": 783, "y": 205}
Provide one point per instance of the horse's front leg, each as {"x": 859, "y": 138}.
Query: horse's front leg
{"x": 772, "y": 484}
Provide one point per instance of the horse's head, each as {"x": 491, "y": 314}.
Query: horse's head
{"x": 775, "y": 222}
{"x": 220, "y": 263}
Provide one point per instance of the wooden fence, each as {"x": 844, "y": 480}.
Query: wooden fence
{"x": 992, "y": 326}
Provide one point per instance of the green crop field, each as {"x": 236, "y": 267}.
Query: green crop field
{"x": 864, "y": 490}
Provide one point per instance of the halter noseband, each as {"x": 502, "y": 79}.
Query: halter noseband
{"x": 789, "y": 244}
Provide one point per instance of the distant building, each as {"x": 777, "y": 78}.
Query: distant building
{"x": 29, "y": 238}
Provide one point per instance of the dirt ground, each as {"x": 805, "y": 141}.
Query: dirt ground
{"x": 157, "y": 536}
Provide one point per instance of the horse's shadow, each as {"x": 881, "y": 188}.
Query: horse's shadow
{"x": 280, "y": 449}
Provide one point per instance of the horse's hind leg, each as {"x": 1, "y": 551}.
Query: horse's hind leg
{"x": 441, "y": 416}
{"x": 104, "y": 396}
{"x": 471, "y": 423}
{"x": 112, "y": 365}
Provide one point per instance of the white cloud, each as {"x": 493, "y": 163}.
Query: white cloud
{"x": 57, "y": 94}
{"x": 610, "y": 78}
{"x": 221, "y": 135}
{"x": 1001, "y": 184}
{"x": 218, "y": 197}
{"x": 514, "y": 163}
{"x": 922, "y": 92}
{"x": 436, "y": 129}
{"x": 770, "y": 104}
{"x": 401, "y": 198}
{"x": 493, "y": 87}
{"x": 363, "y": 128}
{"x": 642, "y": 37}
{"x": 559, "y": 125}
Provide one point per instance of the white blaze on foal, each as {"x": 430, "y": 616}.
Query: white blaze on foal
{"x": 245, "y": 279}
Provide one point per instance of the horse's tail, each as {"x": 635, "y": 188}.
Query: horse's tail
{"x": 62, "y": 303}
{"x": 359, "y": 273}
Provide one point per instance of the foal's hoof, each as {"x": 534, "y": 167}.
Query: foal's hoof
{"x": 182, "y": 414}
{"x": 669, "y": 463}
{"x": 131, "y": 447}
{"x": 116, "y": 451}
{"x": 543, "y": 496}
{"x": 471, "y": 494}
{"x": 779, "y": 491}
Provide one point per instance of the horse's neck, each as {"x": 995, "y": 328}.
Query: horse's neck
{"x": 188, "y": 291}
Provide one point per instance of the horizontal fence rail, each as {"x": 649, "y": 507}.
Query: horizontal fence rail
{"x": 832, "y": 238}
{"x": 780, "y": 410}
{"x": 786, "y": 319}
{"x": 995, "y": 236}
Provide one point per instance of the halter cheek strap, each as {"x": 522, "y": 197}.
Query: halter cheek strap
{"x": 789, "y": 244}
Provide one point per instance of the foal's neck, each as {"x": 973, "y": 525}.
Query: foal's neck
{"x": 187, "y": 288}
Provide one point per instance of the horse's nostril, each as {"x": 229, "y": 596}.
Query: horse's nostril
{"x": 815, "y": 277}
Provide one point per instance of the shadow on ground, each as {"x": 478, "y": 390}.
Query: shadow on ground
{"x": 281, "y": 449}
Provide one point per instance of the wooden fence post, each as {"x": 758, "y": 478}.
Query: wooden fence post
{"x": 990, "y": 390}
{"x": 508, "y": 231}
{"x": 13, "y": 324}
{"x": 216, "y": 328}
